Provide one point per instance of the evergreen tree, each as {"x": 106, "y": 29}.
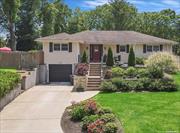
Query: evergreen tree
{"x": 131, "y": 58}
{"x": 110, "y": 60}
{"x": 84, "y": 58}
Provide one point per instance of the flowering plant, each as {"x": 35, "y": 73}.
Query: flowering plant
{"x": 96, "y": 127}
{"x": 91, "y": 106}
{"x": 81, "y": 69}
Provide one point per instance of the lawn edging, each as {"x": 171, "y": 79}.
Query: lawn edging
{"x": 10, "y": 96}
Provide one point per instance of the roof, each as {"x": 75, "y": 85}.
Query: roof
{"x": 109, "y": 37}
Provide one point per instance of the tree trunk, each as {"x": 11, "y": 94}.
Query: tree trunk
{"x": 12, "y": 37}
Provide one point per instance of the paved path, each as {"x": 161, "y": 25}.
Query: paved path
{"x": 39, "y": 109}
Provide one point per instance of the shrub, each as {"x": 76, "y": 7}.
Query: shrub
{"x": 155, "y": 72}
{"x": 131, "y": 58}
{"x": 8, "y": 80}
{"x": 117, "y": 72}
{"x": 162, "y": 60}
{"x": 131, "y": 72}
{"x": 140, "y": 60}
{"x": 91, "y": 107}
{"x": 108, "y": 118}
{"x": 96, "y": 127}
{"x": 167, "y": 85}
{"x": 108, "y": 74}
{"x": 81, "y": 69}
{"x": 107, "y": 87}
{"x": 141, "y": 73}
{"x": 119, "y": 83}
{"x": 110, "y": 128}
{"x": 88, "y": 120}
{"x": 84, "y": 58}
{"x": 104, "y": 110}
{"x": 110, "y": 60}
{"x": 77, "y": 113}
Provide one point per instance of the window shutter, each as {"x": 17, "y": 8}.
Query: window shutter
{"x": 161, "y": 47}
{"x": 50, "y": 47}
{"x": 70, "y": 47}
{"x": 117, "y": 48}
{"x": 127, "y": 50}
{"x": 144, "y": 48}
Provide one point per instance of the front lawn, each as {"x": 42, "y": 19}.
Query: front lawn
{"x": 8, "y": 69}
{"x": 150, "y": 112}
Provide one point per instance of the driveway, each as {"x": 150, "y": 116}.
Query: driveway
{"x": 39, "y": 109}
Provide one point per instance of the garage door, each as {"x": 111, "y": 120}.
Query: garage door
{"x": 60, "y": 72}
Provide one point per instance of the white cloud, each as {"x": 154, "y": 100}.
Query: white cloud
{"x": 173, "y": 3}
{"x": 94, "y": 3}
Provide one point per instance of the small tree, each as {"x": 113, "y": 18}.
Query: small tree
{"x": 110, "y": 60}
{"x": 131, "y": 58}
{"x": 84, "y": 57}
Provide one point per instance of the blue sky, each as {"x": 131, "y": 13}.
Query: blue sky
{"x": 142, "y": 5}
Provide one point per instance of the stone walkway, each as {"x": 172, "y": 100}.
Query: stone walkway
{"x": 39, "y": 109}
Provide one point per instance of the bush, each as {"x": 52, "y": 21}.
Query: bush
{"x": 119, "y": 83}
{"x": 140, "y": 61}
{"x": 107, "y": 87}
{"x": 155, "y": 72}
{"x": 81, "y": 69}
{"x": 104, "y": 110}
{"x": 110, "y": 60}
{"x": 117, "y": 72}
{"x": 108, "y": 74}
{"x": 91, "y": 107}
{"x": 84, "y": 58}
{"x": 96, "y": 127}
{"x": 141, "y": 73}
{"x": 131, "y": 72}
{"x": 131, "y": 58}
{"x": 8, "y": 80}
{"x": 110, "y": 128}
{"x": 162, "y": 60}
{"x": 77, "y": 113}
{"x": 88, "y": 120}
{"x": 108, "y": 118}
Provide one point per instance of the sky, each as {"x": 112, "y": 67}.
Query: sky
{"x": 142, "y": 5}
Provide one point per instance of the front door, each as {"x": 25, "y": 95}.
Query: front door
{"x": 96, "y": 52}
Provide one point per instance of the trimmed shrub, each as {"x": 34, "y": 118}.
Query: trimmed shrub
{"x": 107, "y": 87}
{"x": 77, "y": 113}
{"x": 110, "y": 128}
{"x": 84, "y": 58}
{"x": 131, "y": 72}
{"x": 140, "y": 61}
{"x": 162, "y": 60}
{"x": 108, "y": 118}
{"x": 131, "y": 58}
{"x": 117, "y": 72}
{"x": 81, "y": 69}
{"x": 110, "y": 60}
{"x": 88, "y": 120}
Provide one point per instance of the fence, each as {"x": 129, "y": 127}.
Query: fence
{"x": 21, "y": 60}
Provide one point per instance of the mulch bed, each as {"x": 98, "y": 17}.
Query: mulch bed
{"x": 69, "y": 126}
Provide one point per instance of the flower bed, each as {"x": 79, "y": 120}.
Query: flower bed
{"x": 89, "y": 117}
{"x": 8, "y": 80}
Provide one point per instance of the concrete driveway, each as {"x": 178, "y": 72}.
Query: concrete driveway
{"x": 39, "y": 109}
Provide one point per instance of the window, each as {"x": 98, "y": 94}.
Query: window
{"x": 156, "y": 48}
{"x": 149, "y": 48}
{"x": 122, "y": 48}
{"x": 56, "y": 47}
{"x": 64, "y": 47}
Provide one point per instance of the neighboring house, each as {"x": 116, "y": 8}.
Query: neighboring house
{"x": 62, "y": 51}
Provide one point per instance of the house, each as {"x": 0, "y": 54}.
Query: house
{"x": 62, "y": 51}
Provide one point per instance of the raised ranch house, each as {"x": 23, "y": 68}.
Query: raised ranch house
{"x": 62, "y": 51}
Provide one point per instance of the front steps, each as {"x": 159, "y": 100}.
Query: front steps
{"x": 94, "y": 77}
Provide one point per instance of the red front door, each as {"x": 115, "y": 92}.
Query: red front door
{"x": 96, "y": 51}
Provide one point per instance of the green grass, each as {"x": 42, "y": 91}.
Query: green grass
{"x": 8, "y": 69}
{"x": 145, "y": 112}
{"x": 177, "y": 79}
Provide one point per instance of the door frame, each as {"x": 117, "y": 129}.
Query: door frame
{"x": 92, "y": 49}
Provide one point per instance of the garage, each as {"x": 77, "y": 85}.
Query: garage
{"x": 60, "y": 72}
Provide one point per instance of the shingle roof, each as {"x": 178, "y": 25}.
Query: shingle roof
{"x": 109, "y": 37}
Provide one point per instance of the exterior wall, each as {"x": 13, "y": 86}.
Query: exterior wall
{"x": 138, "y": 49}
